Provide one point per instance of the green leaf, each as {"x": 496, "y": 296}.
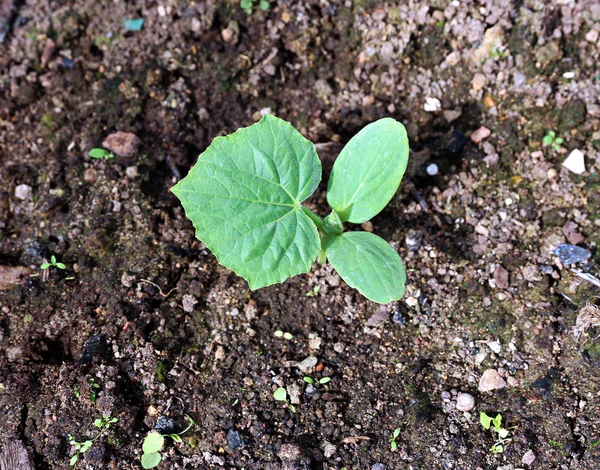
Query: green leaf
{"x": 280, "y": 394}
{"x": 308, "y": 380}
{"x": 396, "y": 432}
{"x": 369, "y": 264}
{"x": 153, "y": 442}
{"x": 325, "y": 380}
{"x": 559, "y": 140}
{"x": 394, "y": 445}
{"x": 245, "y": 4}
{"x": 60, "y": 266}
{"x": 497, "y": 422}
{"x": 151, "y": 459}
{"x": 85, "y": 447}
{"x": 243, "y": 197}
{"x": 176, "y": 438}
{"x": 368, "y": 171}
{"x": 485, "y": 420}
{"x": 264, "y": 5}
{"x": 548, "y": 139}
{"x": 98, "y": 422}
{"x": 98, "y": 153}
{"x": 503, "y": 433}
{"x": 45, "y": 266}
{"x": 74, "y": 460}
{"x": 53, "y": 259}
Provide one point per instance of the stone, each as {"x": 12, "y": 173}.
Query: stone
{"x": 495, "y": 346}
{"x": 480, "y": 134}
{"x": 575, "y": 162}
{"x": 95, "y": 346}
{"x": 465, "y": 402}
{"x": 165, "y": 425}
{"x": 234, "y": 440}
{"x": 571, "y": 234}
{"x": 414, "y": 238}
{"x": 23, "y": 192}
{"x": 571, "y": 254}
{"x": 478, "y": 81}
{"x": 592, "y": 35}
{"x": 189, "y": 301}
{"x": 528, "y": 458}
{"x": 452, "y": 115}
{"x": 491, "y": 380}
{"x": 307, "y": 365}
{"x": 328, "y": 449}
{"x": 123, "y": 144}
{"x": 501, "y": 277}
{"x": 12, "y": 276}
{"x": 90, "y": 175}
{"x": 432, "y": 105}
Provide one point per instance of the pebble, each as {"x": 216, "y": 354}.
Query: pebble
{"x": 131, "y": 171}
{"x": 575, "y": 162}
{"x": 432, "y": 105}
{"x": 234, "y": 440}
{"x": 95, "y": 346}
{"x": 528, "y": 458}
{"x": 414, "y": 238}
{"x": 571, "y": 254}
{"x": 308, "y": 364}
{"x": 123, "y": 144}
{"x": 90, "y": 175}
{"x": 165, "y": 425}
{"x": 189, "y": 301}
{"x": 432, "y": 169}
{"x": 23, "y": 192}
{"x": 228, "y": 35}
{"x": 501, "y": 277}
{"x": 495, "y": 346}
{"x": 491, "y": 380}
{"x": 465, "y": 402}
{"x": 478, "y": 81}
{"x": 480, "y": 134}
{"x": 310, "y": 390}
{"x": 378, "y": 466}
{"x": 329, "y": 449}
{"x": 452, "y": 114}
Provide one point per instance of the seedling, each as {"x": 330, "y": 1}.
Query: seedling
{"x": 281, "y": 334}
{"x": 245, "y": 193}
{"x": 281, "y": 395}
{"x": 53, "y": 263}
{"x": 101, "y": 153}
{"x": 81, "y": 448}
{"x": 551, "y": 140}
{"x": 503, "y": 433}
{"x": 248, "y": 5}
{"x": 155, "y": 441}
{"x": 314, "y": 291}
{"x": 93, "y": 388}
{"x": 321, "y": 381}
{"x": 395, "y": 435}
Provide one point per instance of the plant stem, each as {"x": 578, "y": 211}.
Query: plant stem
{"x": 315, "y": 218}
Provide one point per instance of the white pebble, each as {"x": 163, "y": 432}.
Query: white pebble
{"x": 575, "y": 162}
{"x": 465, "y": 402}
{"x": 432, "y": 105}
{"x": 432, "y": 169}
{"x": 23, "y": 192}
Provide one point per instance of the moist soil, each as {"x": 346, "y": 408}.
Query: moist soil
{"x": 144, "y": 326}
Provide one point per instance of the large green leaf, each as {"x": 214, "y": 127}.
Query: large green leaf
{"x": 369, "y": 264}
{"x": 243, "y": 197}
{"x": 368, "y": 171}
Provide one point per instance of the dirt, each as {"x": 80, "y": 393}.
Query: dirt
{"x": 143, "y": 324}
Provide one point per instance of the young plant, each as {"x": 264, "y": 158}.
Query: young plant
{"x": 281, "y": 395}
{"x": 155, "y": 441}
{"x": 248, "y": 5}
{"x": 321, "y": 381}
{"x": 101, "y": 153}
{"x": 245, "y": 193}
{"x": 503, "y": 433}
{"x": 395, "y": 435}
{"x": 103, "y": 424}
{"x": 53, "y": 263}
{"x": 551, "y": 140}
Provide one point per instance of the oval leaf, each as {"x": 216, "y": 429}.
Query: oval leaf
{"x": 151, "y": 460}
{"x": 243, "y": 197}
{"x": 153, "y": 442}
{"x": 369, "y": 264}
{"x": 368, "y": 171}
{"x": 280, "y": 394}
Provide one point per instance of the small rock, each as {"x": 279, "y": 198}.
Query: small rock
{"x": 310, "y": 390}
{"x": 23, "y": 192}
{"x": 528, "y": 458}
{"x": 465, "y": 402}
{"x": 452, "y": 115}
{"x": 575, "y": 162}
{"x": 478, "y": 81}
{"x": 294, "y": 393}
{"x": 432, "y": 105}
{"x": 95, "y": 346}
{"x": 378, "y": 466}
{"x": 432, "y": 169}
{"x": 12, "y": 276}
{"x": 189, "y": 301}
{"x": 90, "y": 175}
{"x": 165, "y": 425}
{"x": 127, "y": 279}
{"x": 414, "y": 238}
{"x": 48, "y": 52}
{"x": 131, "y": 171}
{"x": 491, "y": 380}
{"x": 123, "y": 144}
{"x": 495, "y": 346}
{"x": 592, "y": 35}
{"x": 571, "y": 254}
{"x": 519, "y": 79}
{"x": 307, "y": 365}
{"x": 13, "y": 354}
{"x": 571, "y": 234}
{"x": 229, "y": 35}
{"x": 480, "y": 134}
{"x": 398, "y": 316}
{"x": 501, "y": 277}
{"x": 328, "y": 449}
{"x": 234, "y": 440}
{"x": 379, "y": 317}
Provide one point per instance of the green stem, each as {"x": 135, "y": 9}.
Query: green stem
{"x": 315, "y": 218}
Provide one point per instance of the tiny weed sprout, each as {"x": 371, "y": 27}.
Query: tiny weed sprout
{"x": 245, "y": 193}
{"x": 103, "y": 424}
{"x": 503, "y": 433}
{"x": 155, "y": 441}
{"x": 281, "y": 395}
{"x": 101, "y": 154}
{"x": 395, "y": 435}
{"x": 551, "y": 140}
{"x": 53, "y": 263}
{"x": 248, "y": 5}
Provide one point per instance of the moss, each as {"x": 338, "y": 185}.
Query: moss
{"x": 161, "y": 372}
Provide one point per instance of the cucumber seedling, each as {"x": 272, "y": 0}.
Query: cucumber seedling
{"x": 245, "y": 193}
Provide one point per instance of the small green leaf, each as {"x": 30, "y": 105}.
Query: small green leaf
{"x": 45, "y": 266}
{"x": 176, "y": 438}
{"x": 278, "y": 334}
{"x": 280, "y": 394}
{"x": 53, "y": 259}
{"x": 368, "y": 171}
{"x": 394, "y": 445}
{"x": 548, "y": 139}
{"x": 288, "y": 336}
{"x": 308, "y": 380}
{"x": 243, "y": 197}
{"x": 60, "y": 266}
{"x": 396, "y": 433}
{"x": 485, "y": 420}
{"x": 325, "y": 380}
{"x": 503, "y": 433}
{"x": 292, "y": 408}
{"x": 497, "y": 449}
{"x": 151, "y": 459}
{"x": 245, "y": 4}
{"x": 98, "y": 153}
{"x": 153, "y": 442}
{"x": 85, "y": 447}
{"x": 497, "y": 422}
{"x": 559, "y": 140}
{"x": 74, "y": 460}
{"x": 264, "y": 5}
{"x": 369, "y": 264}
{"x": 98, "y": 423}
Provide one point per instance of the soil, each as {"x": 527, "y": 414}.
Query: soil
{"x": 143, "y": 324}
